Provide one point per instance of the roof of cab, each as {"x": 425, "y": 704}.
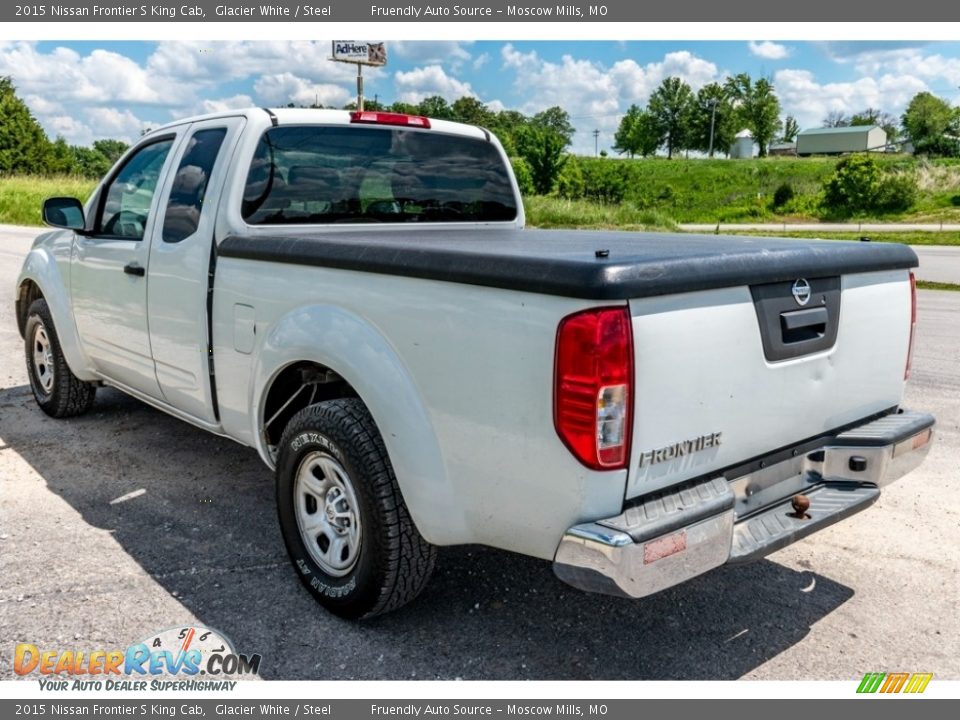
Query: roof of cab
{"x": 312, "y": 116}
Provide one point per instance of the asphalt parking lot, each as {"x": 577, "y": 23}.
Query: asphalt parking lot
{"x": 126, "y": 521}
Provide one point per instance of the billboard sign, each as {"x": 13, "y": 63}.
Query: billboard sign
{"x": 364, "y": 53}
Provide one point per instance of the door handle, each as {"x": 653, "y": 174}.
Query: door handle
{"x": 134, "y": 269}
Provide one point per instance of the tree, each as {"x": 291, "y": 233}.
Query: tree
{"x": 637, "y": 134}
{"x": 872, "y": 116}
{"x": 471, "y": 111}
{"x": 757, "y": 106}
{"x": 404, "y": 108}
{"x": 435, "y": 107}
{"x": 24, "y": 147}
{"x": 543, "y": 149}
{"x": 790, "y": 129}
{"x": 712, "y": 107}
{"x": 556, "y": 119}
{"x": 932, "y": 125}
{"x": 506, "y": 124}
{"x": 671, "y": 106}
{"x": 836, "y": 118}
{"x": 110, "y": 149}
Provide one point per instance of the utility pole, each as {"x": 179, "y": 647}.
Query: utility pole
{"x": 596, "y": 143}
{"x": 713, "y": 117}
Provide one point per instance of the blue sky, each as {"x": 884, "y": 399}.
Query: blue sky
{"x": 88, "y": 90}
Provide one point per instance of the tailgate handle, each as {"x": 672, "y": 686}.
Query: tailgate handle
{"x": 801, "y": 325}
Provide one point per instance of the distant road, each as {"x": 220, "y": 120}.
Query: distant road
{"x": 938, "y": 263}
{"x": 822, "y": 227}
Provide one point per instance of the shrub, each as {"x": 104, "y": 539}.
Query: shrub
{"x": 853, "y": 185}
{"x": 524, "y": 176}
{"x": 896, "y": 192}
{"x": 783, "y": 194}
{"x": 859, "y": 185}
{"x": 570, "y": 183}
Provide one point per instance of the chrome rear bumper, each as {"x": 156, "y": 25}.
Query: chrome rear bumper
{"x": 668, "y": 537}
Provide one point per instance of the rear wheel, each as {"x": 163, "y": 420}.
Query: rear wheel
{"x": 343, "y": 519}
{"x": 57, "y": 390}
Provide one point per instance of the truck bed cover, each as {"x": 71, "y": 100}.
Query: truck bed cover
{"x": 595, "y": 265}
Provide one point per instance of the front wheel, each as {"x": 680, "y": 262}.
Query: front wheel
{"x": 58, "y": 392}
{"x": 342, "y": 516}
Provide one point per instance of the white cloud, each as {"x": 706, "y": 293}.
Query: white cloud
{"x": 769, "y": 50}
{"x": 596, "y": 96}
{"x": 429, "y": 52}
{"x": 421, "y": 82}
{"x": 481, "y": 60}
{"x": 113, "y": 123}
{"x": 215, "y": 105}
{"x": 283, "y": 88}
{"x": 809, "y": 101}
{"x": 101, "y": 78}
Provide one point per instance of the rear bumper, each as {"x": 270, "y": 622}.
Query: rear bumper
{"x": 673, "y": 535}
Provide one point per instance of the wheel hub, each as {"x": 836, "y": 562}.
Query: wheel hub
{"x": 327, "y": 513}
{"x": 43, "y": 359}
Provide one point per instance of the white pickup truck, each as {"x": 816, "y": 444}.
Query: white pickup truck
{"x": 354, "y": 295}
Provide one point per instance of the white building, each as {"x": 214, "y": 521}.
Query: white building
{"x": 837, "y": 140}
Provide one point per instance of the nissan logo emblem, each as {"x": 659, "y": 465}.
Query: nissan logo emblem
{"x": 801, "y": 291}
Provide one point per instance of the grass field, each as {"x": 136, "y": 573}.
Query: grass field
{"x": 710, "y": 191}
{"x": 21, "y": 197}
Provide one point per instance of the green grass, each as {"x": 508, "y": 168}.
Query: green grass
{"x": 927, "y": 285}
{"x": 553, "y": 212}
{"x": 905, "y": 238}
{"x": 21, "y": 197}
{"x": 711, "y": 191}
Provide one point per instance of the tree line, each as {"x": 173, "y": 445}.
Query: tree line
{"x": 676, "y": 119}
{"x": 26, "y": 149}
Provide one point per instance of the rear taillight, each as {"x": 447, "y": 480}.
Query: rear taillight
{"x": 913, "y": 324}
{"x": 387, "y": 118}
{"x": 593, "y": 378}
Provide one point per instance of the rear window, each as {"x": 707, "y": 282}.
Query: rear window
{"x": 324, "y": 175}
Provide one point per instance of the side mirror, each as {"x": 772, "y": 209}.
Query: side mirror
{"x": 63, "y": 212}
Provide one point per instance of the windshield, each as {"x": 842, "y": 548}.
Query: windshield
{"x": 317, "y": 174}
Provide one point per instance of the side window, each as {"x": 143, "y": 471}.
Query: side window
{"x": 126, "y": 206}
{"x": 190, "y": 185}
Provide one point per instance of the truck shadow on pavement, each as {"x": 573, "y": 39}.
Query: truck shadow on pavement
{"x": 199, "y": 519}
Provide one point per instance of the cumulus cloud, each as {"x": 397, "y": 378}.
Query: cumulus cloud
{"x": 430, "y": 52}
{"x": 809, "y": 101}
{"x": 283, "y": 88}
{"x": 215, "y": 105}
{"x": 594, "y": 95}
{"x": 769, "y": 50}
{"x": 421, "y": 82}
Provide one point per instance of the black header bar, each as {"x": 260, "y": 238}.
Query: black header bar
{"x": 477, "y": 11}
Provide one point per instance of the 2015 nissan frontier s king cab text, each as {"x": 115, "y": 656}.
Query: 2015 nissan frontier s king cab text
{"x": 354, "y": 295}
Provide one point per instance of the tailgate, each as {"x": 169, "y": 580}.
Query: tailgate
{"x": 729, "y": 374}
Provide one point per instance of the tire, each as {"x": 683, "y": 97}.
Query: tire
{"x": 343, "y": 519}
{"x": 57, "y": 390}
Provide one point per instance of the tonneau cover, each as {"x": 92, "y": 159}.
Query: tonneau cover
{"x": 596, "y": 265}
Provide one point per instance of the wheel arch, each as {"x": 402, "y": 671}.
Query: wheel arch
{"x": 41, "y": 278}
{"x": 351, "y": 358}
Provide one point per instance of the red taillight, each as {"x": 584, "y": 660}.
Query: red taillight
{"x": 593, "y": 378}
{"x": 913, "y": 324}
{"x": 388, "y": 118}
